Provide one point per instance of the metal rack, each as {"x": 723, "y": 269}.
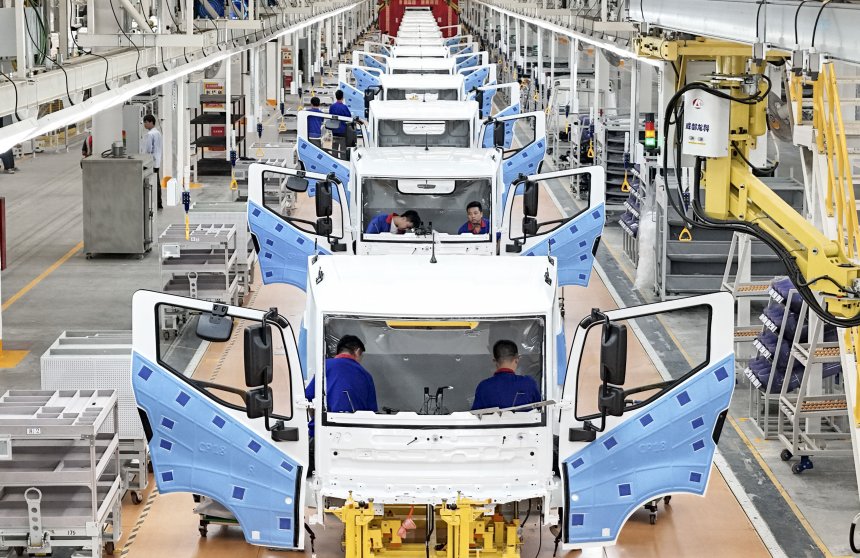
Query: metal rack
{"x": 60, "y": 482}
{"x": 203, "y": 266}
{"x": 202, "y": 118}
{"x": 235, "y": 214}
{"x": 101, "y": 360}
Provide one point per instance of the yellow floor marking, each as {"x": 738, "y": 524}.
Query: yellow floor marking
{"x": 14, "y": 298}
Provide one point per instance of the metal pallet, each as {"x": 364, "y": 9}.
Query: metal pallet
{"x": 60, "y": 482}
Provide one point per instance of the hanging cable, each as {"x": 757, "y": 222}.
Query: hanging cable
{"x": 121, "y": 28}
{"x": 91, "y": 53}
{"x": 796, "y": 39}
{"x": 817, "y": 17}
{"x": 55, "y": 61}
{"x": 14, "y": 88}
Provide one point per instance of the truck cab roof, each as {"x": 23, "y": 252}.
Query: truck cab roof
{"x": 416, "y": 162}
{"x": 428, "y": 110}
{"x": 412, "y": 286}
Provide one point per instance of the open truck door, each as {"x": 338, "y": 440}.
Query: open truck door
{"x": 319, "y": 223}
{"x": 322, "y": 160}
{"x": 358, "y": 77}
{"x": 625, "y": 440}
{"x": 476, "y": 77}
{"x": 370, "y": 59}
{"x": 238, "y": 439}
{"x": 485, "y": 94}
{"x": 526, "y": 131}
{"x": 470, "y": 60}
{"x": 537, "y": 223}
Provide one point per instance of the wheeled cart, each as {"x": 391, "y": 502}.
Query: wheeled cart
{"x": 60, "y": 481}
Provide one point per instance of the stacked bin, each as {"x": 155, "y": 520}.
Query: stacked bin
{"x": 629, "y": 220}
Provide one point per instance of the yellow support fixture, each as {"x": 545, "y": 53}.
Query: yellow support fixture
{"x": 590, "y": 152}
{"x": 234, "y": 185}
{"x": 625, "y": 184}
{"x": 685, "y": 236}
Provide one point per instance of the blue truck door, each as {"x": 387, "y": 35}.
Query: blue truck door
{"x": 662, "y": 443}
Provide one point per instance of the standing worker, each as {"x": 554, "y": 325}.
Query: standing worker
{"x": 505, "y": 388}
{"x": 315, "y": 123}
{"x": 338, "y": 139}
{"x": 153, "y": 146}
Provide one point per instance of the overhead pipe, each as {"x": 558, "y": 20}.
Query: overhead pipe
{"x": 137, "y": 16}
{"x": 736, "y": 20}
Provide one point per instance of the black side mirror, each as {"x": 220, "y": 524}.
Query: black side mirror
{"x": 499, "y": 134}
{"x": 530, "y": 197}
{"x": 350, "y": 137}
{"x": 530, "y": 226}
{"x": 324, "y": 226}
{"x": 479, "y": 96}
{"x": 613, "y": 354}
{"x": 259, "y": 402}
{"x": 215, "y": 326}
{"x": 259, "y": 356}
{"x": 324, "y": 198}
{"x": 297, "y": 184}
{"x": 610, "y": 400}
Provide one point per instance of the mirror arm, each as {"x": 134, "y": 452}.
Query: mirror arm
{"x": 212, "y": 385}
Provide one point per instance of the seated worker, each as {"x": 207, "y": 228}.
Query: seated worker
{"x": 476, "y": 223}
{"x": 505, "y": 388}
{"x": 348, "y": 386}
{"x": 315, "y": 124}
{"x": 393, "y": 223}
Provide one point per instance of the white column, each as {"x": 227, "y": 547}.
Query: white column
{"x": 253, "y": 91}
{"x": 634, "y": 109}
{"x": 573, "y": 64}
{"x": 539, "y": 75}
{"x": 20, "y": 41}
{"x": 168, "y": 124}
{"x": 296, "y": 83}
{"x": 553, "y": 40}
{"x": 318, "y": 49}
{"x": 228, "y": 93}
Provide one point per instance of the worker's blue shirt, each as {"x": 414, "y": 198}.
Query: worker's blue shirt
{"x": 344, "y": 375}
{"x": 380, "y": 224}
{"x": 467, "y": 228}
{"x": 314, "y": 124}
{"x": 506, "y": 389}
{"x": 340, "y": 109}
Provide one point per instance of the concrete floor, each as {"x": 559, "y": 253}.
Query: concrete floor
{"x": 808, "y": 515}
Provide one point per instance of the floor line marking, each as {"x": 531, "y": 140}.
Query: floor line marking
{"x": 53, "y": 267}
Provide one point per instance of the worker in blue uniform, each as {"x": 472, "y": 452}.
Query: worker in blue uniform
{"x": 505, "y": 388}
{"x": 338, "y": 136}
{"x": 315, "y": 123}
{"x": 475, "y": 224}
{"x": 348, "y": 386}
{"x": 393, "y": 223}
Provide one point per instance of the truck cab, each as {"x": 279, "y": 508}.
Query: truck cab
{"x": 427, "y": 124}
{"x": 428, "y": 454}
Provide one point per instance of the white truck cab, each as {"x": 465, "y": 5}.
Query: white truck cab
{"x": 429, "y": 327}
{"x": 427, "y": 123}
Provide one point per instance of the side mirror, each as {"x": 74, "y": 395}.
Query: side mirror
{"x": 324, "y": 199}
{"x": 350, "y": 136}
{"x": 530, "y": 226}
{"x": 324, "y": 226}
{"x": 530, "y": 198}
{"x": 332, "y": 124}
{"x": 479, "y": 97}
{"x": 259, "y": 402}
{"x": 259, "y": 356}
{"x": 499, "y": 134}
{"x": 610, "y": 400}
{"x": 613, "y": 354}
{"x": 215, "y": 326}
{"x": 297, "y": 184}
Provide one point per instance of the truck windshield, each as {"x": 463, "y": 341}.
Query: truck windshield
{"x": 433, "y": 367}
{"x": 438, "y": 202}
{"x": 436, "y": 133}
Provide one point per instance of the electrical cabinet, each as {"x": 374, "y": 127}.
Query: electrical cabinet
{"x": 117, "y": 203}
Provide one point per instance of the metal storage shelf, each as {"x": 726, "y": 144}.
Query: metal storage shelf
{"x": 205, "y": 265}
{"x": 218, "y": 165}
{"x": 62, "y": 486}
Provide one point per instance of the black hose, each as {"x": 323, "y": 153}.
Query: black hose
{"x": 15, "y": 89}
{"x": 815, "y": 25}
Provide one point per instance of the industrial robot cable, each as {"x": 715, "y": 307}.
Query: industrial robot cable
{"x": 15, "y": 89}
{"x": 91, "y": 53}
{"x": 121, "y": 28}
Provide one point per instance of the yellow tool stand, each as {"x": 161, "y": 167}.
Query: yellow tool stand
{"x": 464, "y": 529}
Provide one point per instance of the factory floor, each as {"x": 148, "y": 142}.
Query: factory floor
{"x": 754, "y": 505}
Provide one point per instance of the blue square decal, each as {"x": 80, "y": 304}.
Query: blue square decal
{"x": 683, "y": 398}
{"x": 698, "y": 444}
{"x": 268, "y": 274}
{"x": 582, "y": 276}
{"x": 256, "y": 212}
{"x": 646, "y": 420}
{"x": 698, "y": 422}
{"x": 286, "y": 466}
{"x": 285, "y": 523}
{"x": 551, "y": 241}
{"x": 695, "y": 477}
{"x": 577, "y": 519}
{"x": 577, "y": 463}
{"x": 300, "y": 240}
{"x": 279, "y": 227}
{"x": 610, "y": 443}
{"x": 166, "y": 444}
{"x": 624, "y": 490}
{"x": 268, "y": 255}
{"x": 721, "y": 374}
{"x": 583, "y": 257}
{"x": 582, "y": 243}
{"x": 595, "y": 214}
{"x": 573, "y": 228}
{"x": 183, "y": 398}
{"x": 218, "y": 421}
{"x": 238, "y": 493}
{"x": 270, "y": 242}
{"x": 167, "y": 476}
{"x": 254, "y": 446}
{"x": 167, "y": 423}
{"x": 145, "y": 373}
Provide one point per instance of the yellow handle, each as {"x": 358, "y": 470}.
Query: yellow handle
{"x": 590, "y": 152}
{"x": 260, "y": 153}
{"x": 685, "y": 235}
{"x": 187, "y": 227}
{"x": 625, "y": 186}
{"x": 233, "y": 184}
{"x": 536, "y": 96}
